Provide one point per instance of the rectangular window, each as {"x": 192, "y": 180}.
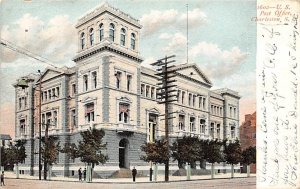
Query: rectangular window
{"x": 49, "y": 94}
{"x": 142, "y": 89}
{"x": 212, "y": 130}
{"x": 43, "y": 121}
{"x": 182, "y": 97}
{"x": 53, "y": 93}
{"x": 22, "y": 127}
{"x": 85, "y": 82}
{"x": 190, "y": 99}
{"x": 48, "y": 118}
{"x": 55, "y": 118}
{"x": 152, "y": 92}
{"x": 94, "y": 78}
{"x": 192, "y": 124}
{"x": 124, "y": 112}
{"x": 232, "y": 131}
{"x": 230, "y": 111}
{"x": 73, "y": 118}
{"x": 147, "y": 91}
{"x": 20, "y": 103}
{"x": 45, "y": 94}
{"x": 118, "y": 80}
{"x": 57, "y": 92}
{"x": 200, "y": 103}
{"x": 234, "y": 112}
{"x": 202, "y": 126}
{"x": 129, "y": 77}
{"x": 204, "y": 103}
{"x": 73, "y": 89}
{"x": 181, "y": 123}
{"x": 218, "y": 131}
{"x": 25, "y": 102}
{"x": 178, "y": 96}
{"x": 194, "y": 100}
{"x": 89, "y": 112}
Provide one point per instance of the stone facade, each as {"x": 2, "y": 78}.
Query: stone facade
{"x": 109, "y": 89}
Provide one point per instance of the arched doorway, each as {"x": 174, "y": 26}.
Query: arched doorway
{"x": 123, "y": 153}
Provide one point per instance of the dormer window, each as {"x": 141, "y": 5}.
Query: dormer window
{"x": 112, "y": 32}
{"x": 132, "y": 41}
{"x": 122, "y": 37}
{"x": 82, "y": 38}
{"x": 91, "y": 36}
{"x": 101, "y": 32}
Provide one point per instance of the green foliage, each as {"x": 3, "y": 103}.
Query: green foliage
{"x": 212, "y": 150}
{"x": 156, "y": 152}
{"x": 232, "y": 152}
{"x": 50, "y": 150}
{"x": 89, "y": 148}
{"x": 186, "y": 149}
{"x": 15, "y": 153}
{"x": 249, "y": 155}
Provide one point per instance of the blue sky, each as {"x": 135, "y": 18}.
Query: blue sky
{"x": 222, "y": 39}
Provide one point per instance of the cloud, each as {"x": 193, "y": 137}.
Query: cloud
{"x": 158, "y": 20}
{"x": 176, "y": 42}
{"x": 55, "y": 40}
{"x": 148, "y": 61}
{"x": 218, "y": 63}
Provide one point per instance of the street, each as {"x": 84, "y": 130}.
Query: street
{"x": 236, "y": 183}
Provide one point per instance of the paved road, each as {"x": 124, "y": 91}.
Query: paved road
{"x": 236, "y": 183}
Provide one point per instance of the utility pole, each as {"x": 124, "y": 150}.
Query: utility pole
{"x": 166, "y": 72}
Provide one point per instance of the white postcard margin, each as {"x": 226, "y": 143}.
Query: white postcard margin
{"x": 278, "y": 94}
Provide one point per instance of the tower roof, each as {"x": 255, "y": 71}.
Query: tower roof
{"x": 103, "y": 8}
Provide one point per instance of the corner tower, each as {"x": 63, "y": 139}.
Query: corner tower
{"x": 108, "y": 28}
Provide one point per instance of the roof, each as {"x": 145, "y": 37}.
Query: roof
{"x": 106, "y": 7}
{"x": 5, "y": 137}
{"x": 226, "y": 91}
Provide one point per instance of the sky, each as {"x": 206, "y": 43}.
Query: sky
{"x": 221, "y": 40}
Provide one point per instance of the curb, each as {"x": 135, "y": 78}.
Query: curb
{"x": 143, "y": 182}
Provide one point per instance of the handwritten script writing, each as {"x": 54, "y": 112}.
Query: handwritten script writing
{"x": 278, "y": 115}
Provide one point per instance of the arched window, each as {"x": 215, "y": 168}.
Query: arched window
{"x": 82, "y": 38}
{"x": 132, "y": 44}
{"x": 91, "y": 36}
{"x": 122, "y": 37}
{"x": 101, "y": 32}
{"x": 112, "y": 32}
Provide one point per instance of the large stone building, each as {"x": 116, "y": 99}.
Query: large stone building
{"x": 109, "y": 89}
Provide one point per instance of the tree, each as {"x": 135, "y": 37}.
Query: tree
{"x": 233, "y": 153}
{"x": 186, "y": 150}
{"x": 212, "y": 153}
{"x": 248, "y": 157}
{"x": 88, "y": 149}
{"x": 50, "y": 152}
{"x": 156, "y": 152}
{"x": 16, "y": 153}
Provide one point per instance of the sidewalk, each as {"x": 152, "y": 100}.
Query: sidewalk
{"x": 160, "y": 178}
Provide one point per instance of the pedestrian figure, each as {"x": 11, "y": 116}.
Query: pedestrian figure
{"x": 84, "y": 174}
{"x": 80, "y": 174}
{"x": 134, "y": 172}
{"x": 2, "y": 178}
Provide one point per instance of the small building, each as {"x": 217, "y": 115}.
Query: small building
{"x": 248, "y": 136}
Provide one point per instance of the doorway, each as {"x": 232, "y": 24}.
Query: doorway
{"x": 123, "y": 154}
